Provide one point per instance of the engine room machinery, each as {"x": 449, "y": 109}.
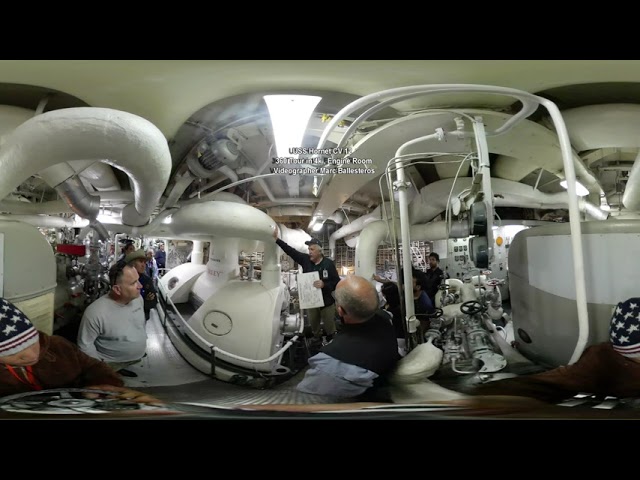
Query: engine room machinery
{"x": 232, "y": 318}
{"x": 543, "y": 291}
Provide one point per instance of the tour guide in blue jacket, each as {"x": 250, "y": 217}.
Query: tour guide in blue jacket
{"x": 315, "y": 261}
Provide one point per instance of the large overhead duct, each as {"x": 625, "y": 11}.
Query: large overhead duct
{"x": 10, "y": 118}
{"x": 433, "y": 198}
{"x": 432, "y": 201}
{"x": 45, "y": 208}
{"x": 524, "y": 148}
{"x": 101, "y": 177}
{"x": 289, "y": 211}
{"x": 71, "y": 189}
{"x": 47, "y": 221}
{"x": 608, "y": 126}
{"x": 123, "y": 140}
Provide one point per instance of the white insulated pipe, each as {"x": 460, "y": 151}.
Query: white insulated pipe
{"x": 129, "y": 142}
{"x": 101, "y": 176}
{"x": 295, "y": 238}
{"x": 432, "y": 200}
{"x": 402, "y": 185}
{"x": 576, "y": 231}
{"x": 529, "y": 103}
{"x": 26, "y": 208}
{"x": 631, "y": 196}
{"x": 223, "y": 261}
{"x": 47, "y": 221}
{"x": 354, "y": 227}
{"x": 231, "y": 220}
{"x": 197, "y": 254}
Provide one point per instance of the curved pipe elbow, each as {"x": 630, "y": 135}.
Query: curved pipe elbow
{"x": 100, "y": 230}
{"x": 79, "y": 200}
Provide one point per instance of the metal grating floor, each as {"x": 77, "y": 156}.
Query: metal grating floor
{"x": 163, "y": 365}
{"x": 166, "y": 375}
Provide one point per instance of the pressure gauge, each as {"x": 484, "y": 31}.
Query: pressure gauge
{"x": 217, "y": 323}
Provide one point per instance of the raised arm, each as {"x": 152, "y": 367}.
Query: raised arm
{"x": 297, "y": 257}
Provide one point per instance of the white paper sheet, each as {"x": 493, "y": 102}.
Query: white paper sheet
{"x": 310, "y": 296}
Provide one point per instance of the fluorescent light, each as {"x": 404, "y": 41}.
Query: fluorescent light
{"x": 581, "y": 191}
{"x": 290, "y": 115}
{"x": 102, "y": 218}
{"x": 317, "y": 227}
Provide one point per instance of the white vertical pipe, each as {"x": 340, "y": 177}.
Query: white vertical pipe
{"x": 405, "y": 225}
{"x": 574, "y": 224}
{"x": 223, "y": 261}
{"x": 270, "y": 276}
{"x": 197, "y": 254}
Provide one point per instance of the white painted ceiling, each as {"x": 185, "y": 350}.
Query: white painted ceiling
{"x": 189, "y": 99}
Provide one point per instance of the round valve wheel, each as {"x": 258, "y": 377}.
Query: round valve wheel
{"x": 472, "y": 307}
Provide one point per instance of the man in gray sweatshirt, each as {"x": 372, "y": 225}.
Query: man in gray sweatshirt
{"x": 113, "y": 327}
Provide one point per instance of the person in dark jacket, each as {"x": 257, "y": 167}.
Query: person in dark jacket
{"x": 315, "y": 261}
{"x": 391, "y": 296}
{"x": 365, "y": 351}
{"x": 32, "y": 361}
{"x": 433, "y": 277}
{"x": 607, "y": 369}
{"x": 138, "y": 260}
{"x": 161, "y": 258}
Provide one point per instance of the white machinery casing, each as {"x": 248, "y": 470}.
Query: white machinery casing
{"x": 29, "y": 272}
{"x": 543, "y": 298}
{"x": 242, "y": 318}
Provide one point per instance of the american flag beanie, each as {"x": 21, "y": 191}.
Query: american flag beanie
{"x": 16, "y": 330}
{"x": 624, "y": 332}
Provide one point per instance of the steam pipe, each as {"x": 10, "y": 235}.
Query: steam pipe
{"x": 131, "y": 143}
{"x": 81, "y": 202}
{"x": 529, "y": 105}
{"x": 576, "y": 231}
{"x": 401, "y": 184}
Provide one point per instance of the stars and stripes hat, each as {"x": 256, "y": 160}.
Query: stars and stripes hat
{"x": 624, "y": 332}
{"x": 16, "y": 330}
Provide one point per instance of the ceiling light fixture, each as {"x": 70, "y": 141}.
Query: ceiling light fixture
{"x": 581, "y": 191}
{"x": 290, "y": 116}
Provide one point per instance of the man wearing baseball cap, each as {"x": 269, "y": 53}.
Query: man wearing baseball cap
{"x": 315, "y": 261}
